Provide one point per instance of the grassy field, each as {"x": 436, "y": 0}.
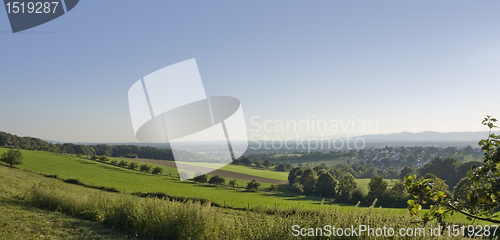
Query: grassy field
{"x": 75, "y": 212}
{"x": 52, "y": 165}
{"x": 170, "y": 171}
{"x": 129, "y": 181}
{"x": 21, "y": 221}
{"x": 246, "y": 170}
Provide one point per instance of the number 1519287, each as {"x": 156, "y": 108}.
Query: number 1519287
{"x": 31, "y": 7}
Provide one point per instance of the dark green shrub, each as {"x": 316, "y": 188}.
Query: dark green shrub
{"x": 157, "y": 170}
{"x": 122, "y": 164}
{"x": 145, "y": 168}
{"x": 201, "y": 178}
{"x": 253, "y": 186}
{"x": 273, "y": 188}
{"x": 103, "y": 158}
{"x": 297, "y": 188}
{"x": 217, "y": 180}
{"x": 12, "y": 157}
{"x": 133, "y": 166}
{"x": 233, "y": 183}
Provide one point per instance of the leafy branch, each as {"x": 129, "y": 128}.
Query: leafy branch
{"x": 484, "y": 195}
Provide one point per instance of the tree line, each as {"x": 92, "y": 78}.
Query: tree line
{"x": 29, "y": 143}
{"x": 339, "y": 182}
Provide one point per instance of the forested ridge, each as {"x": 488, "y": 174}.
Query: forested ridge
{"x": 29, "y": 143}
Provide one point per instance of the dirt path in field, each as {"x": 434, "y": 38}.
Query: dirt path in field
{"x": 222, "y": 173}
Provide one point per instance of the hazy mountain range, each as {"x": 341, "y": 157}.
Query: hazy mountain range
{"x": 428, "y": 136}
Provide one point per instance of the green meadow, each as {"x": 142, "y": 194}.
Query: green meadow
{"x": 265, "y": 173}
{"x": 22, "y": 221}
{"x": 129, "y": 181}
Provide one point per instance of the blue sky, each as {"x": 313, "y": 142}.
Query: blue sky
{"x": 411, "y": 66}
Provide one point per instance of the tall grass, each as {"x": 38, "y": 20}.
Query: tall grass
{"x": 144, "y": 217}
{"x": 154, "y": 218}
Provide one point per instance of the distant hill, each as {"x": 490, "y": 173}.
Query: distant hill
{"x": 428, "y": 136}
{"x": 424, "y": 139}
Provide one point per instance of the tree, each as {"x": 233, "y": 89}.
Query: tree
{"x": 370, "y": 172}
{"x": 481, "y": 201}
{"x": 462, "y": 189}
{"x": 201, "y": 178}
{"x": 347, "y": 185}
{"x": 122, "y": 164}
{"x": 443, "y": 168}
{"x": 157, "y": 170}
{"x": 103, "y": 158}
{"x": 267, "y": 163}
{"x": 298, "y": 188}
{"x": 294, "y": 173}
{"x": 463, "y": 168}
{"x": 405, "y": 171}
{"x": 245, "y": 161}
{"x": 133, "y": 166}
{"x": 217, "y": 180}
{"x": 398, "y": 191}
{"x": 253, "y": 186}
{"x": 233, "y": 183}
{"x": 326, "y": 185}
{"x": 93, "y": 157}
{"x": 258, "y": 163}
{"x": 12, "y": 157}
{"x": 317, "y": 168}
{"x": 393, "y": 173}
{"x": 145, "y": 168}
{"x": 273, "y": 188}
{"x": 337, "y": 173}
{"x": 438, "y": 183}
{"x": 377, "y": 187}
{"x": 281, "y": 168}
{"x": 114, "y": 163}
{"x": 308, "y": 180}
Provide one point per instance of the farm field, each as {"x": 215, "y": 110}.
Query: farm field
{"x": 240, "y": 172}
{"x": 247, "y": 170}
